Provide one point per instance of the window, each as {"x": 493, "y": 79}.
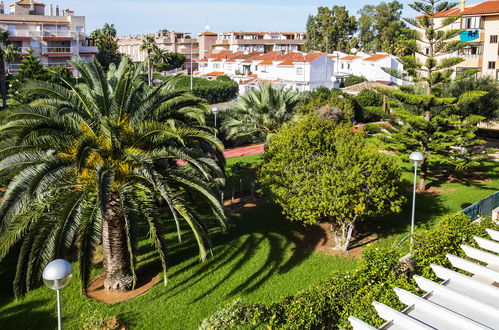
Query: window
{"x": 471, "y": 50}
{"x": 427, "y": 51}
{"x": 216, "y": 66}
{"x": 342, "y": 65}
{"x": 492, "y": 65}
{"x": 263, "y": 68}
{"x": 493, "y": 39}
{"x": 471, "y": 22}
{"x": 348, "y": 66}
{"x": 299, "y": 71}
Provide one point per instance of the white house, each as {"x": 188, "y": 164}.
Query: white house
{"x": 370, "y": 66}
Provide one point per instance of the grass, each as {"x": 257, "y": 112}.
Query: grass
{"x": 255, "y": 261}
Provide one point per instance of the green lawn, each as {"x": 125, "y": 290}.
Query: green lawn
{"x": 256, "y": 261}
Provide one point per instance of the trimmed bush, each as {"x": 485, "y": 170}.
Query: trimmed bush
{"x": 213, "y": 91}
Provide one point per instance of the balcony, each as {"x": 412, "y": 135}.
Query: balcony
{"x": 187, "y": 51}
{"x": 23, "y": 34}
{"x": 13, "y": 67}
{"x": 58, "y": 35}
{"x": 89, "y": 50}
{"x": 64, "y": 64}
{"x": 60, "y": 51}
{"x": 24, "y": 51}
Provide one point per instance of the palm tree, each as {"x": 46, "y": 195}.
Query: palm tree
{"x": 8, "y": 53}
{"x": 260, "y": 113}
{"x": 91, "y": 162}
{"x": 149, "y": 45}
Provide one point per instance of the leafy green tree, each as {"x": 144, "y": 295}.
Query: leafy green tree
{"x": 30, "y": 68}
{"x": 486, "y": 106}
{"x": 260, "y": 113}
{"x": 165, "y": 61}
{"x": 353, "y": 80}
{"x": 105, "y": 39}
{"x": 330, "y": 30}
{"x": 7, "y": 54}
{"x": 320, "y": 171}
{"x": 434, "y": 43}
{"x": 149, "y": 45}
{"x": 380, "y": 27}
{"x": 92, "y": 161}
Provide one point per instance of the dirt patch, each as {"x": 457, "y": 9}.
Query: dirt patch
{"x": 146, "y": 279}
{"x": 317, "y": 238}
{"x": 240, "y": 204}
{"x": 387, "y": 152}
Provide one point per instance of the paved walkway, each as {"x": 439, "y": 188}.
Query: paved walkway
{"x": 254, "y": 149}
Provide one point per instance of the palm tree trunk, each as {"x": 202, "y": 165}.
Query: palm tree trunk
{"x": 3, "y": 87}
{"x": 149, "y": 73}
{"x": 116, "y": 255}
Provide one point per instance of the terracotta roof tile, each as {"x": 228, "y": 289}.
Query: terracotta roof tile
{"x": 484, "y": 7}
{"x": 377, "y": 57}
{"x": 266, "y": 62}
{"x": 215, "y": 73}
{"x": 287, "y": 63}
{"x": 349, "y": 58}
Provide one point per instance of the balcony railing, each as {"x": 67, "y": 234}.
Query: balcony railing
{"x": 13, "y": 67}
{"x": 23, "y": 33}
{"x": 64, "y": 64}
{"x": 57, "y": 50}
{"x": 57, "y": 34}
{"x": 25, "y": 50}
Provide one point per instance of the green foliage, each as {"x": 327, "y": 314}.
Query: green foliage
{"x": 259, "y": 113}
{"x": 372, "y": 129}
{"x": 166, "y": 61}
{"x": 325, "y": 102}
{"x": 235, "y": 314}
{"x": 369, "y": 98}
{"x": 8, "y": 54}
{"x": 209, "y": 90}
{"x": 98, "y": 321}
{"x": 330, "y": 30}
{"x": 487, "y": 106}
{"x": 105, "y": 39}
{"x": 353, "y": 80}
{"x": 108, "y": 143}
{"x": 319, "y": 171}
{"x": 440, "y": 40}
{"x": 380, "y": 27}
{"x": 431, "y": 246}
{"x": 223, "y": 78}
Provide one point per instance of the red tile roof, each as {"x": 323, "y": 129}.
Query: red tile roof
{"x": 203, "y": 60}
{"x": 484, "y": 7}
{"x": 376, "y": 57}
{"x": 349, "y": 58}
{"x": 266, "y": 62}
{"x": 215, "y": 73}
{"x": 287, "y": 63}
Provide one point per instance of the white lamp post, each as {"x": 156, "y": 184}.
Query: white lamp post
{"x": 215, "y": 110}
{"x": 416, "y": 159}
{"x": 56, "y": 276}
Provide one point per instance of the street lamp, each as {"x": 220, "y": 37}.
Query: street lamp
{"x": 416, "y": 159}
{"x": 215, "y": 110}
{"x": 56, "y": 276}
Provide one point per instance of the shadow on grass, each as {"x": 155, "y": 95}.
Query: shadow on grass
{"x": 263, "y": 225}
{"x": 33, "y": 319}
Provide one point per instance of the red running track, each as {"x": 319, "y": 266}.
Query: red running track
{"x": 255, "y": 149}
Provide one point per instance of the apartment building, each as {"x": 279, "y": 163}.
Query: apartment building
{"x": 259, "y": 41}
{"x": 295, "y": 70}
{"x": 180, "y": 42}
{"x": 55, "y": 37}
{"x": 208, "y": 43}
{"x": 480, "y": 24}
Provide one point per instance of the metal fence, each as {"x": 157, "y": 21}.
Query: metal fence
{"x": 483, "y": 207}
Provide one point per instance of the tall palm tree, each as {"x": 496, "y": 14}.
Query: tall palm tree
{"x": 8, "y": 54}
{"x": 149, "y": 45}
{"x": 260, "y": 113}
{"x": 92, "y": 160}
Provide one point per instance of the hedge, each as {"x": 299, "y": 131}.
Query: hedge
{"x": 213, "y": 91}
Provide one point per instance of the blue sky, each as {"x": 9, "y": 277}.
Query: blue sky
{"x": 142, "y": 16}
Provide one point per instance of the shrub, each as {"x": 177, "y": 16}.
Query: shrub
{"x": 372, "y": 129}
{"x": 97, "y": 321}
{"x": 353, "y": 80}
{"x": 369, "y": 98}
{"x": 235, "y": 314}
{"x": 431, "y": 246}
{"x": 213, "y": 91}
{"x": 223, "y": 77}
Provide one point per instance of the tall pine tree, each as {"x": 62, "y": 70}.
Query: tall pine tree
{"x": 432, "y": 42}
